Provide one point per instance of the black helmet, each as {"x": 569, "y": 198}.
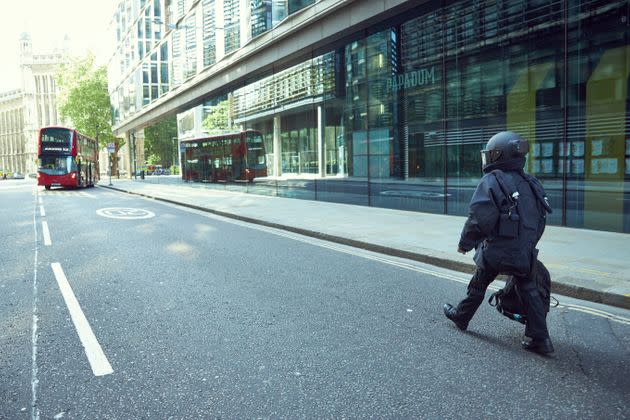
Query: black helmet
{"x": 504, "y": 146}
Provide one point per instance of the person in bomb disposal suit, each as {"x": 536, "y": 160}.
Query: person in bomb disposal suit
{"x": 506, "y": 220}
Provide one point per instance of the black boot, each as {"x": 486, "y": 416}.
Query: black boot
{"x": 542, "y": 346}
{"x": 452, "y": 314}
{"x": 465, "y": 310}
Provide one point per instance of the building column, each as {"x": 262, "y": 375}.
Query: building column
{"x": 13, "y": 141}
{"x": 51, "y": 102}
{"x": 219, "y": 34}
{"x": 39, "y": 101}
{"x": 132, "y": 156}
{"x": 321, "y": 141}
{"x": 245, "y": 14}
{"x": 124, "y": 153}
{"x": 277, "y": 147}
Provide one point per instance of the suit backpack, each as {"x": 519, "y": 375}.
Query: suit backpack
{"x": 508, "y": 300}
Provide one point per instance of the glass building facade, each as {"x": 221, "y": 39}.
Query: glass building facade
{"x": 160, "y": 44}
{"x": 396, "y": 115}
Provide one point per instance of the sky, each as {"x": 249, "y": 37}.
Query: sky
{"x": 86, "y": 22}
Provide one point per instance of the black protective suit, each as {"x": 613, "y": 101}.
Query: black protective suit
{"x": 498, "y": 252}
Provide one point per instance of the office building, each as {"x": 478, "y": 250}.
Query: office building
{"x": 387, "y": 103}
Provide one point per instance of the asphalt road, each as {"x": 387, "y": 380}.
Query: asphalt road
{"x": 195, "y": 316}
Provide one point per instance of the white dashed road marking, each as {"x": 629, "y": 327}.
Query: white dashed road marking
{"x": 98, "y": 361}
{"x": 46, "y": 233}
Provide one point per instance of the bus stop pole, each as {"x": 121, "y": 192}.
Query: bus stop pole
{"x": 110, "y": 169}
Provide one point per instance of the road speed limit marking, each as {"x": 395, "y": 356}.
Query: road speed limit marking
{"x": 125, "y": 213}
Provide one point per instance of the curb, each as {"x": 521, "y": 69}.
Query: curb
{"x": 561, "y": 288}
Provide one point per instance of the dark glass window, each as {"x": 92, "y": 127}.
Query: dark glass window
{"x": 299, "y": 143}
{"x": 232, "y": 35}
{"x": 355, "y": 110}
{"x": 596, "y": 156}
{"x": 209, "y": 36}
{"x": 295, "y": 5}
{"x": 157, "y": 10}
{"x": 261, "y": 16}
{"x": 503, "y": 69}
{"x": 191, "y": 48}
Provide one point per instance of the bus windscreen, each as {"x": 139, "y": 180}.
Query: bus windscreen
{"x": 57, "y": 165}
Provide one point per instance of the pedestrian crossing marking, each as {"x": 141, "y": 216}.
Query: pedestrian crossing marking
{"x": 67, "y": 193}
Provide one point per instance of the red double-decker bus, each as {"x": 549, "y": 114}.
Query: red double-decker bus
{"x": 224, "y": 158}
{"x": 67, "y": 158}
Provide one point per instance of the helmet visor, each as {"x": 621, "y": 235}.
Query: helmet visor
{"x": 489, "y": 156}
{"x": 521, "y": 147}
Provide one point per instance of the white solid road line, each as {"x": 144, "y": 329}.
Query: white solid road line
{"x": 98, "y": 361}
{"x": 34, "y": 328}
{"x": 41, "y": 211}
{"x": 47, "y": 240}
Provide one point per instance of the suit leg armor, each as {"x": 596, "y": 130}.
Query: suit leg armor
{"x": 534, "y": 309}
{"x": 475, "y": 294}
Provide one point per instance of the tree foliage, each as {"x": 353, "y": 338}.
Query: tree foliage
{"x": 84, "y": 99}
{"x": 159, "y": 146}
{"x": 219, "y": 119}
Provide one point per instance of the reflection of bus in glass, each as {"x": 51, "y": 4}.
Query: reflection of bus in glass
{"x": 67, "y": 158}
{"x": 224, "y": 158}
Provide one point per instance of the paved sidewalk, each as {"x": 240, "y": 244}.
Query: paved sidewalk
{"x": 586, "y": 264}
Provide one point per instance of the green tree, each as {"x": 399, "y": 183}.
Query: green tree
{"x": 219, "y": 119}
{"x": 160, "y": 143}
{"x": 84, "y": 101}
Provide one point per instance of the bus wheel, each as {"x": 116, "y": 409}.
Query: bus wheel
{"x": 47, "y": 187}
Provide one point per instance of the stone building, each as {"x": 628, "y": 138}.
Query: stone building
{"x": 23, "y": 111}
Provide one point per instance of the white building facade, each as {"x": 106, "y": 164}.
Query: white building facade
{"x": 24, "y": 111}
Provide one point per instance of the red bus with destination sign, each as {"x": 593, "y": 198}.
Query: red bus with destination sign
{"x": 67, "y": 158}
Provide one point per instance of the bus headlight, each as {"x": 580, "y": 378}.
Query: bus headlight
{"x": 74, "y": 176}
